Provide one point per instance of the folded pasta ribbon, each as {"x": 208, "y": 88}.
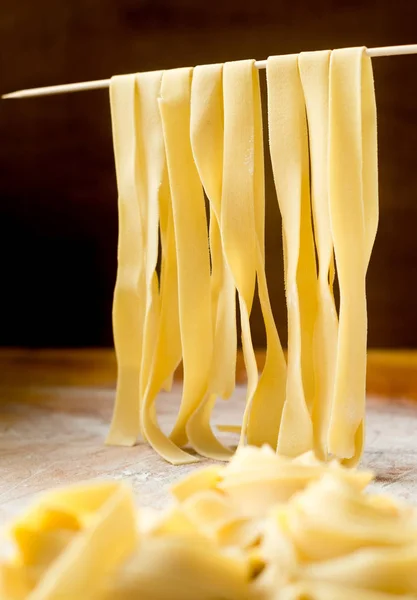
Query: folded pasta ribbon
{"x": 60, "y": 542}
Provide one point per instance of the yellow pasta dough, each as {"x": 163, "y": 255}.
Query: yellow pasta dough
{"x": 276, "y": 522}
{"x": 237, "y": 217}
{"x": 289, "y": 156}
{"x": 206, "y": 134}
{"x": 286, "y": 518}
{"x": 225, "y": 141}
{"x": 60, "y": 542}
{"x": 191, "y": 245}
{"x": 264, "y": 527}
{"x": 314, "y": 74}
{"x": 242, "y": 223}
{"x": 128, "y": 306}
{"x": 353, "y": 201}
{"x": 151, "y": 170}
{"x": 182, "y": 131}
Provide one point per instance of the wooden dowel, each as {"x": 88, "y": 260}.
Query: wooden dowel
{"x": 104, "y": 83}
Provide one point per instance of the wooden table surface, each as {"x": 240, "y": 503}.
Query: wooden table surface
{"x": 55, "y": 408}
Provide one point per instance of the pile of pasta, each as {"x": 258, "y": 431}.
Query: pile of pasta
{"x": 183, "y": 133}
{"x": 263, "y": 527}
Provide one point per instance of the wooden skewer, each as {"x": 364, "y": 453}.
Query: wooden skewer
{"x": 104, "y": 83}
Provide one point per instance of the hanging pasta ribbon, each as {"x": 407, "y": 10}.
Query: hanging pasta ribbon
{"x": 163, "y": 342}
{"x": 242, "y": 228}
{"x": 206, "y": 132}
{"x": 353, "y": 196}
{"x": 151, "y": 168}
{"x": 289, "y": 155}
{"x": 269, "y": 397}
{"x": 192, "y": 250}
{"x": 314, "y": 73}
{"x": 237, "y": 208}
{"x": 130, "y": 289}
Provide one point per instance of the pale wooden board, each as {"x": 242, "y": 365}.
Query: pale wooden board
{"x": 55, "y": 436}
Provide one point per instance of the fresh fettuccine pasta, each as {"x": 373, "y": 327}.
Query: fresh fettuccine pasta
{"x": 191, "y": 246}
{"x": 237, "y": 221}
{"x": 353, "y": 202}
{"x": 340, "y": 105}
{"x": 286, "y": 518}
{"x": 289, "y": 155}
{"x": 264, "y": 527}
{"x": 206, "y": 132}
{"x": 314, "y": 74}
{"x": 60, "y": 542}
{"x": 128, "y": 307}
{"x": 183, "y": 131}
{"x": 242, "y": 230}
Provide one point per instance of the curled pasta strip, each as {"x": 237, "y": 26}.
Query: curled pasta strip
{"x": 215, "y": 120}
{"x": 184, "y": 130}
{"x": 242, "y": 230}
{"x": 191, "y": 246}
{"x": 314, "y": 73}
{"x": 262, "y": 527}
{"x": 289, "y": 155}
{"x": 128, "y": 308}
{"x": 206, "y": 133}
{"x": 353, "y": 198}
{"x": 237, "y": 219}
{"x": 60, "y": 542}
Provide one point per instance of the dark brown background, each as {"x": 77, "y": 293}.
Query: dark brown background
{"x": 58, "y": 217}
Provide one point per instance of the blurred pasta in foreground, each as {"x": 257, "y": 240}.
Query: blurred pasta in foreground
{"x": 262, "y": 527}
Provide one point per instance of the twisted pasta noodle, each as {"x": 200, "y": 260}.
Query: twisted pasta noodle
{"x": 354, "y": 216}
{"x": 253, "y": 461}
{"x": 206, "y": 133}
{"x": 314, "y": 73}
{"x": 167, "y": 355}
{"x": 242, "y": 222}
{"x": 333, "y": 535}
{"x": 223, "y": 116}
{"x": 237, "y": 207}
{"x": 168, "y": 346}
{"x": 269, "y": 397}
{"x": 143, "y": 194}
{"x": 168, "y": 291}
{"x": 191, "y": 246}
{"x": 350, "y": 522}
{"x": 60, "y": 541}
{"x": 257, "y": 479}
{"x": 128, "y": 308}
{"x": 151, "y": 168}
{"x": 252, "y": 469}
{"x": 289, "y": 156}
{"x": 161, "y": 334}
{"x": 387, "y": 570}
